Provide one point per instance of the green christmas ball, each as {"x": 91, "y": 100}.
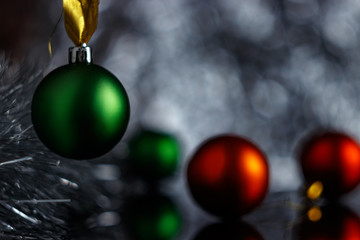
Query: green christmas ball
{"x": 152, "y": 217}
{"x": 153, "y": 155}
{"x": 80, "y": 111}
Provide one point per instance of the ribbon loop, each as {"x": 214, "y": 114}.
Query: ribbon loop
{"x": 80, "y": 17}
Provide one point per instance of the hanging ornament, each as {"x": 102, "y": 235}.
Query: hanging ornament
{"x": 228, "y": 176}
{"x": 229, "y": 231}
{"x": 151, "y": 217}
{"x": 330, "y": 222}
{"x": 330, "y": 163}
{"x": 153, "y": 155}
{"x": 80, "y": 110}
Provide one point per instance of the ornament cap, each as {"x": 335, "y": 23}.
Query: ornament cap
{"x": 81, "y": 54}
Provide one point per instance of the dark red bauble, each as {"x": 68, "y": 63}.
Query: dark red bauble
{"x": 334, "y": 160}
{"x": 228, "y": 176}
{"x": 336, "y": 223}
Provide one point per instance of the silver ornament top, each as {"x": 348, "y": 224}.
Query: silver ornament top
{"x": 80, "y": 54}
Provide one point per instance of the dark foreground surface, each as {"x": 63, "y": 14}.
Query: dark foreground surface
{"x": 172, "y": 214}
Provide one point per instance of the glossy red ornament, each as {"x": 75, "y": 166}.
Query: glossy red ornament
{"x": 228, "y": 176}
{"x": 336, "y": 223}
{"x": 334, "y": 160}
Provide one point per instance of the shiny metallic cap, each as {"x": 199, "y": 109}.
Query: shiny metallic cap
{"x": 80, "y": 54}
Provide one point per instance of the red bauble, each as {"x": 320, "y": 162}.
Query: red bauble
{"x": 334, "y": 160}
{"x": 336, "y": 223}
{"x": 228, "y": 176}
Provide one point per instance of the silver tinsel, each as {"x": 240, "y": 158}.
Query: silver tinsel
{"x": 26, "y": 172}
{"x": 38, "y": 191}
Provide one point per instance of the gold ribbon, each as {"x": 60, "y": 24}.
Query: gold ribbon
{"x": 80, "y": 17}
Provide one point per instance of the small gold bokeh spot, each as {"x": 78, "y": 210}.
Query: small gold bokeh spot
{"x": 314, "y": 214}
{"x": 315, "y": 190}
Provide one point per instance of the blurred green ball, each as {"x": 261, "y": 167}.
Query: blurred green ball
{"x": 153, "y": 155}
{"x": 152, "y": 217}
